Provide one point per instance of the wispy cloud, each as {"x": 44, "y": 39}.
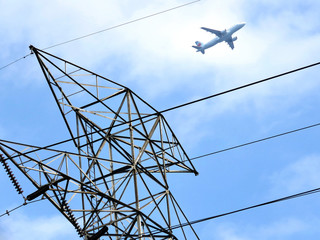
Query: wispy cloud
{"x": 19, "y": 226}
{"x": 301, "y": 175}
{"x": 284, "y": 228}
{"x": 155, "y": 59}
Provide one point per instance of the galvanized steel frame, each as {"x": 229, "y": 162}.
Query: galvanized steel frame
{"x": 110, "y": 178}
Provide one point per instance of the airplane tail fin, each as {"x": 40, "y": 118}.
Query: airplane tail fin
{"x": 199, "y": 47}
{"x": 199, "y": 44}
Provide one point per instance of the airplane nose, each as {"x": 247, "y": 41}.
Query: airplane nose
{"x": 242, "y": 24}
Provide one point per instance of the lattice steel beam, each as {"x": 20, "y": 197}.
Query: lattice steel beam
{"x": 110, "y": 179}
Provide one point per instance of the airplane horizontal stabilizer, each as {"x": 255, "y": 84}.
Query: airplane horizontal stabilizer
{"x": 199, "y": 49}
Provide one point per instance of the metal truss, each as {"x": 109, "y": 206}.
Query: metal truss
{"x": 110, "y": 178}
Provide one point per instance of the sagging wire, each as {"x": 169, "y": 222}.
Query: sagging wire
{"x": 7, "y": 213}
{"x": 15, "y": 61}
{"x": 122, "y": 24}
{"x": 101, "y": 31}
{"x": 301, "y": 194}
{"x": 240, "y": 145}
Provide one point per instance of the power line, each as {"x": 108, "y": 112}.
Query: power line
{"x": 301, "y": 194}
{"x": 256, "y": 141}
{"x": 218, "y": 151}
{"x": 9, "y": 211}
{"x": 298, "y": 195}
{"x": 202, "y": 99}
{"x": 244, "y": 144}
{"x": 15, "y": 61}
{"x": 211, "y": 96}
{"x": 206, "y": 98}
{"x": 103, "y": 30}
{"x": 22, "y": 205}
{"x": 122, "y": 24}
{"x": 189, "y": 103}
{"x": 243, "y": 86}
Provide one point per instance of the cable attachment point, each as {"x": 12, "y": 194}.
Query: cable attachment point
{"x": 11, "y": 176}
{"x": 31, "y": 49}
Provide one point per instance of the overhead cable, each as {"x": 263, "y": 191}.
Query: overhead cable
{"x": 302, "y": 194}
{"x": 243, "y": 145}
{"x": 103, "y": 30}
{"x": 202, "y": 99}
{"x": 22, "y": 205}
{"x": 207, "y": 154}
{"x": 122, "y": 24}
{"x": 241, "y": 87}
{"x": 256, "y": 141}
{"x": 15, "y": 61}
{"x": 9, "y": 211}
{"x": 195, "y": 101}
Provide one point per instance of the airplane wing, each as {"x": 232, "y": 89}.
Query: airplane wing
{"x": 230, "y": 42}
{"x": 216, "y": 32}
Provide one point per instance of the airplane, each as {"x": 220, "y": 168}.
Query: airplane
{"x": 225, "y": 35}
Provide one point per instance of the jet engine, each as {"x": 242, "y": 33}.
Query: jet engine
{"x": 235, "y": 38}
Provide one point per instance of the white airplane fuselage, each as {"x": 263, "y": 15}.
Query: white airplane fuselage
{"x": 222, "y": 36}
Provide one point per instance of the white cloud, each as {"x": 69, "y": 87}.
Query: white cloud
{"x": 19, "y": 226}
{"x": 155, "y": 58}
{"x": 156, "y": 53}
{"x": 284, "y": 228}
{"x": 299, "y": 176}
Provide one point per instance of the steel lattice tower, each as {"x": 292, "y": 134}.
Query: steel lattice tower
{"x": 110, "y": 178}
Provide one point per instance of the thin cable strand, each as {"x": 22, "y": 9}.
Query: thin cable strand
{"x": 225, "y": 149}
{"x": 243, "y": 86}
{"x": 103, "y": 30}
{"x": 246, "y": 144}
{"x": 11, "y": 63}
{"x": 191, "y": 102}
{"x": 120, "y": 25}
{"x": 256, "y": 141}
{"x": 298, "y": 195}
{"x": 22, "y": 205}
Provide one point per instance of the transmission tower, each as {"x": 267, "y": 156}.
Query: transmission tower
{"x": 110, "y": 178}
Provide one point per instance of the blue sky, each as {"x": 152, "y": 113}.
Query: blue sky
{"x": 155, "y": 59}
